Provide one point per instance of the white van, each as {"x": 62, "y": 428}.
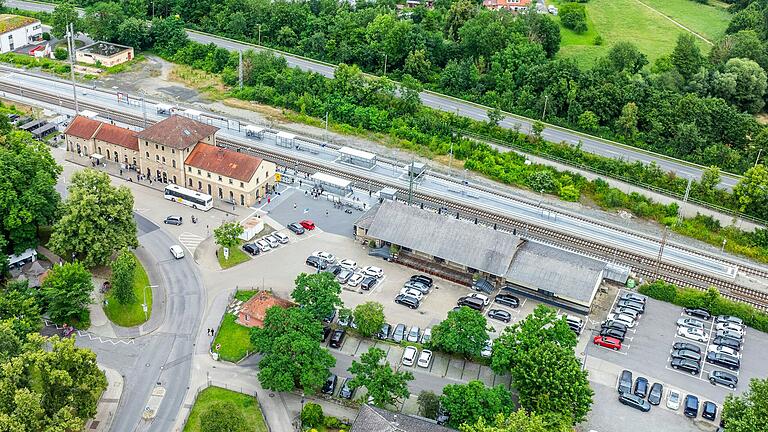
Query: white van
{"x": 26, "y": 257}
{"x": 177, "y": 252}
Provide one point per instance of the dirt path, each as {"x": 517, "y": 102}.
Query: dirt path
{"x": 707, "y": 41}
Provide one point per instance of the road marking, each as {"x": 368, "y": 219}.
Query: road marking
{"x": 104, "y": 340}
{"x": 190, "y": 241}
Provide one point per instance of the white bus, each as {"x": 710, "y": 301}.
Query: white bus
{"x": 194, "y": 199}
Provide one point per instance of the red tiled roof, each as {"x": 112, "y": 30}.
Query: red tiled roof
{"x": 255, "y": 309}
{"x": 223, "y": 161}
{"x": 178, "y": 132}
{"x": 82, "y": 127}
{"x": 118, "y": 136}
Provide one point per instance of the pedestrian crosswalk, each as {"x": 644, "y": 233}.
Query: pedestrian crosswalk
{"x": 190, "y": 241}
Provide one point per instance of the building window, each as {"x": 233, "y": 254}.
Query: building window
{"x": 157, "y": 147}
{"x": 147, "y": 155}
{"x": 209, "y": 175}
{"x": 190, "y": 182}
{"x": 199, "y": 185}
{"x": 230, "y": 181}
{"x": 173, "y": 162}
{"x": 174, "y": 179}
{"x": 157, "y": 158}
{"x": 99, "y": 150}
{"x": 219, "y": 178}
{"x": 198, "y": 172}
{"x": 146, "y": 143}
{"x": 163, "y": 159}
{"x": 173, "y": 151}
{"x": 242, "y": 199}
{"x": 241, "y": 184}
{"x": 162, "y": 148}
{"x": 189, "y": 169}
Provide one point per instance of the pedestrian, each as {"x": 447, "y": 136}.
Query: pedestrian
{"x": 150, "y": 181}
{"x": 294, "y": 206}
{"x": 326, "y": 212}
{"x": 121, "y": 171}
{"x": 217, "y": 253}
{"x": 306, "y": 193}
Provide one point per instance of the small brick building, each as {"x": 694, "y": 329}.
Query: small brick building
{"x": 253, "y": 312}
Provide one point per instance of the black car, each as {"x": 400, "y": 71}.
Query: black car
{"x": 406, "y": 300}
{"x": 330, "y": 385}
{"x": 326, "y": 331}
{"x": 691, "y": 405}
{"x": 641, "y": 387}
{"x": 173, "y": 220}
{"x": 399, "y": 334}
{"x": 629, "y": 304}
{"x": 426, "y": 280}
{"x": 442, "y": 416}
{"x": 614, "y": 333}
{"x": 656, "y": 393}
{"x": 686, "y": 354}
{"x": 334, "y": 269}
{"x": 369, "y": 282}
{"x": 723, "y": 378}
{"x": 500, "y": 315}
{"x": 724, "y": 360}
{"x": 316, "y": 262}
{"x": 698, "y": 313}
{"x": 471, "y": 302}
{"x": 687, "y": 365}
{"x": 625, "y": 382}
{"x": 296, "y": 228}
{"x": 251, "y": 248}
{"x": 507, "y": 300}
{"x": 346, "y": 391}
{"x": 634, "y": 401}
{"x": 727, "y": 342}
{"x": 709, "y": 410}
{"x": 386, "y": 329}
{"x": 337, "y": 338}
{"x": 686, "y": 346}
{"x": 614, "y": 325}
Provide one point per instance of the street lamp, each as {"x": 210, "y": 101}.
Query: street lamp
{"x": 301, "y": 422}
{"x": 144, "y": 305}
{"x": 592, "y": 332}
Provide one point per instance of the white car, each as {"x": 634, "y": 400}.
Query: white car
{"x": 263, "y": 245}
{"x": 413, "y": 293}
{"x": 272, "y": 240}
{"x": 482, "y": 297}
{"x": 348, "y": 264}
{"x": 281, "y": 237}
{"x": 355, "y": 280}
{"x": 724, "y": 349}
{"x": 373, "y": 272}
{"x": 673, "y": 400}
{"x": 692, "y": 333}
{"x": 409, "y": 356}
{"x": 177, "y": 252}
{"x": 623, "y": 319}
{"x": 732, "y": 327}
{"x": 425, "y": 358}
{"x": 325, "y": 256}
{"x": 691, "y": 323}
{"x": 427, "y": 335}
{"x": 487, "y": 349}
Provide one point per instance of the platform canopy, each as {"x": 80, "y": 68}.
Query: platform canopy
{"x": 328, "y": 179}
{"x": 359, "y": 154}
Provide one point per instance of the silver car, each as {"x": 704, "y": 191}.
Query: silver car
{"x": 413, "y": 334}
{"x": 272, "y": 240}
{"x": 343, "y": 276}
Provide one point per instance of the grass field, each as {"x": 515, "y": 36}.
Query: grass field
{"x": 236, "y": 256}
{"x": 651, "y": 31}
{"x": 247, "y": 405}
{"x": 131, "y": 314}
{"x": 235, "y": 339}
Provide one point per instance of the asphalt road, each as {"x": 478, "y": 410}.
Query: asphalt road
{"x": 589, "y": 143}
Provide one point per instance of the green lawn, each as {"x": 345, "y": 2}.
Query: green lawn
{"x": 235, "y": 339}
{"x": 236, "y": 256}
{"x": 131, "y": 314}
{"x": 248, "y": 405}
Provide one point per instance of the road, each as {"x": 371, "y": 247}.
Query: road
{"x": 437, "y": 101}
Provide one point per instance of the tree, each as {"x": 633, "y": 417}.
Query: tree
{"x": 518, "y": 421}
{"x": 60, "y": 53}
{"x": 67, "y": 292}
{"x": 471, "y": 401}
{"x": 752, "y": 191}
{"x": 418, "y": 66}
{"x": 227, "y": 235}
{"x": 384, "y": 385}
{"x": 542, "y": 29}
{"x": 573, "y": 16}
{"x": 63, "y": 14}
{"x": 744, "y": 44}
{"x": 463, "y": 332}
{"x": 133, "y": 32}
{"x": 742, "y": 83}
{"x": 748, "y": 412}
{"x": 168, "y": 35}
{"x": 369, "y": 318}
{"x": 429, "y": 404}
{"x": 102, "y": 21}
{"x": 317, "y": 293}
{"x": 710, "y": 178}
{"x": 537, "y": 128}
{"x": 123, "y": 269}
{"x": 312, "y": 415}
{"x": 625, "y": 57}
{"x": 588, "y": 121}
{"x": 19, "y": 306}
{"x": 223, "y": 416}
{"x": 292, "y": 355}
{"x": 627, "y": 122}
{"x": 10, "y": 342}
{"x": 495, "y": 116}
{"x": 686, "y": 56}
{"x": 460, "y": 12}
{"x": 97, "y": 220}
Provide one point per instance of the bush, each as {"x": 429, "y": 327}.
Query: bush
{"x": 60, "y": 53}
{"x": 574, "y": 16}
{"x": 46, "y": 36}
{"x": 333, "y": 423}
{"x": 223, "y": 416}
{"x": 312, "y": 415}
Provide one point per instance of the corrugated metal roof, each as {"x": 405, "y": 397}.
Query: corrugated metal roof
{"x": 458, "y": 241}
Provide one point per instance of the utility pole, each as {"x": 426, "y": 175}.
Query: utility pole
{"x": 758, "y": 156}
{"x": 259, "y": 34}
{"x": 240, "y": 69}
{"x": 71, "y": 46}
{"x": 544, "y": 114}
{"x": 661, "y": 251}
{"x": 385, "y": 64}
{"x": 410, "y": 182}
{"x": 685, "y": 199}
{"x": 450, "y": 161}
{"x": 326, "y": 126}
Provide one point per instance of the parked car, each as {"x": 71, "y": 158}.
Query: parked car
{"x": 348, "y": 264}
{"x": 692, "y": 333}
{"x": 641, "y": 387}
{"x": 329, "y": 319}
{"x": 273, "y": 241}
{"x": 413, "y": 293}
{"x": 173, "y": 220}
{"x": 724, "y": 360}
{"x": 330, "y": 384}
{"x": 426, "y": 280}
{"x": 316, "y": 262}
{"x": 709, "y": 410}
{"x": 263, "y": 245}
{"x": 307, "y": 224}
{"x": 575, "y": 323}
{"x": 399, "y": 334}
{"x": 634, "y": 401}
{"x": 731, "y": 327}
{"x": 687, "y": 365}
{"x": 728, "y": 318}
{"x": 326, "y": 332}
{"x": 629, "y": 304}
{"x": 425, "y": 358}
{"x": 500, "y": 315}
{"x": 729, "y": 334}
{"x": 728, "y": 342}
{"x": 656, "y": 393}
{"x": 614, "y": 333}
{"x": 337, "y": 338}
{"x": 386, "y": 330}
{"x": 624, "y": 319}
{"x": 368, "y": 283}
{"x": 427, "y": 335}
{"x": 409, "y": 356}
{"x": 608, "y": 342}
{"x": 325, "y": 256}
{"x": 355, "y": 279}
{"x": 724, "y": 349}
{"x": 373, "y": 271}
{"x": 296, "y": 228}
{"x": 690, "y": 323}
{"x": 637, "y": 298}
{"x": 471, "y": 302}
{"x": 411, "y": 302}
{"x": 698, "y": 313}
{"x": 345, "y": 320}
{"x": 343, "y": 276}
{"x": 614, "y": 324}
{"x": 413, "y": 334}
{"x": 507, "y": 300}
{"x": 686, "y": 354}
{"x": 673, "y": 400}
{"x": 484, "y": 298}
{"x": 251, "y": 248}
{"x": 487, "y": 350}
{"x": 686, "y": 346}
{"x": 281, "y": 237}
{"x": 723, "y": 378}
{"x": 332, "y": 269}
{"x": 418, "y": 286}
{"x": 691, "y": 406}
{"x": 635, "y": 315}
{"x": 625, "y": 382}
{"x": 346, "y": 391}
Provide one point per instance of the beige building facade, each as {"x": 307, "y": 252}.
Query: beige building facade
{"x": 104, "y": 53}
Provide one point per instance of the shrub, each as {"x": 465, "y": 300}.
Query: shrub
{"x": 574, "y": 16}
{"x": 332, "y": 423}
{"x": 60, "y": 53}
{"x": 46, "y": 36}
{"x": 312, "y": 415}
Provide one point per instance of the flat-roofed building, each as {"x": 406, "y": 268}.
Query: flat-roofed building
{"x": 104, "y": 53}
{"x": 18, "y": 31}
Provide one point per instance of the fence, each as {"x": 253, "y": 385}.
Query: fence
{"x": 238, "y": 389}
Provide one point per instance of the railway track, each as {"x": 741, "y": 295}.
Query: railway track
{"x": 642, "y": 265}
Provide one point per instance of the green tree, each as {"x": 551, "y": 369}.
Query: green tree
{"x": 418, "y": 66}
{"x": 460, "y": 12}
{"x": 463, "y": 332}
{"x": 742, "y": 83}
{"x": 312, "y": 415}
{"x": 317, "y": 293}
{"x": 752, "y": 192}
{"x": 369, "y": 318}
{"x": 573, "y": 16}
{"x": 588, "y": 121}
{"x": 495, "y": 116}
{"x": 518, "y": 421}
{"x": 542, "y": 181}
{"x": 747, "y": 412}
{"x": 63, "y": 14}
{"x": 102, "y": 21}
{"x": 227, "y": 235}
{"x": 744, "y": 44}
{"x": 67, "y": 291}
{"x": 168, "y": 35}
{"x": 686, "y": 56}
{"x": 123, "y": 269}
{"x": 384, "y": 385}
{"x": 133, "y": 32}
{"x": 97, "y": 220}
{"x": 707, "y": 185}
{"x": 625, "y": 57}
{"x": 19, "y": 306}
{"x": 60, "y": 53}
{"x": 429, "y": 404}
{"x": 471, "y": 401}
{"x": 10, "y": 342}
{"x": 223, "y": 416}
{"x": 627, "y": 122}
{"x": 537, "y": 128}
{"x": 292, "y": 355}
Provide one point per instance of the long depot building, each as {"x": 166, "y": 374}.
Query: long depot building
{"x": 176, "y": 150}
{"x": 479, "y": 255}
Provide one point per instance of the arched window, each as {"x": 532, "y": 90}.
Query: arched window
{"x": 173, "y": 162}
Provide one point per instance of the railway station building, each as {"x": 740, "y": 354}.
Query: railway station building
{"x": 102, "y": 141}
{"x": 467, "y": 253}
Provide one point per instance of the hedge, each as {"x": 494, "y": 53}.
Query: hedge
{"x": 710, "y": 300}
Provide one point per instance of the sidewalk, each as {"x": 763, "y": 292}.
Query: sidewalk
{"x": 108, "y": 403}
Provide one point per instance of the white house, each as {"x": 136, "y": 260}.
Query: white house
{"x": 18, "y": 31}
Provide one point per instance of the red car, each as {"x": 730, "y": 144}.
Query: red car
{"x": 608, "y": 342}
{"x": 307, "y": 224}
